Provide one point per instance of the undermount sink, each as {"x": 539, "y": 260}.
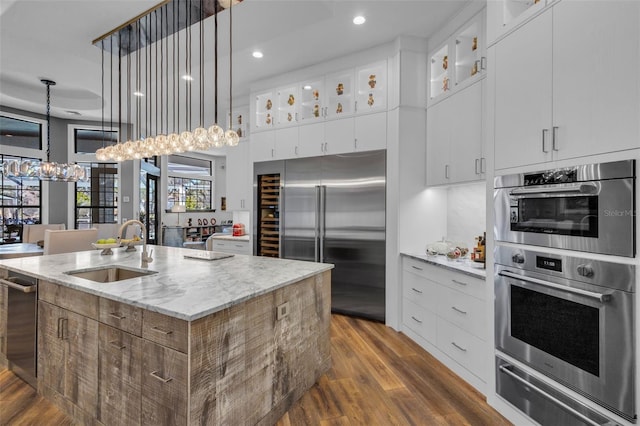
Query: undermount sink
{"x": 109, "y": 274}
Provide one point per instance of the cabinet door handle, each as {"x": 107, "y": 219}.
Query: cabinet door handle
{"x": 116, "y": 316}
{"x": 416, "y": 290}
{"x": 459, "y": 282}
{"x": 544, "y": 140}
{"x": 458, "y": 347}
{"x": 446, "y": 171}
{"x": 117, "y": 345}
{"x": 160, "y": 330}
{"x": 483, "y": 63}
{"x": 295, "y": 150}
{"x": 155, "y": 375}
{"x": 477, "y": 166}
{"x": 554, "y": 138}
{"x": 460, "y": 311}
{"x": 415, "y": 267}
{"x": 272, "y": 152}
{"x": 325, "y": 146}
{"x": 355, "y": 106}
{"x": 355, "y": 143}
{"x": 62, "y": 325}
{"x": 296, "y": 116}
{"x": 416, "y": 319}
{"x": 483, "y": 165}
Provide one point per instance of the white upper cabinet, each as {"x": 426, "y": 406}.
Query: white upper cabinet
{"x": 312, "y": 101}
{"x": 287, "y": 109}
{"x": 341, "y": 96}
{"x": 440, "y": 81}
{"x": 371, "y": 88}
{"x": 237, "y": 120}
{"x": 557, "y": 95}
{"x": 265, "y": 110}
{"x": 239, "y": 176}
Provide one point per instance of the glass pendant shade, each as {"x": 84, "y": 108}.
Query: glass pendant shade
{"x": 186, "y": 139}
{"x": 201, "y": 138}
{"x": 101, "y": 154}
{"x": 232, "y": 137}
{"x": 47, "y": 170}
{"x": 215, "y": 135}
{"x": 11, "y": 168}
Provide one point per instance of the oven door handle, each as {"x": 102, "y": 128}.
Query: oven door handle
{"x": 598, "y": 296}
{"x": 572, "y": 189}
{"x": 587, "y": 420}
{"x": 19, "y": 287}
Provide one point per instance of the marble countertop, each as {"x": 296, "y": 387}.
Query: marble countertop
{"x": 466, "y": 266}
{"x": 184, "y": 288}
{"x": 10, "y": 251}
{"x": 229, "y": 237}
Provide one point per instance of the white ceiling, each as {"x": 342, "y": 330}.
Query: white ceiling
{"x": 52, "y": 39}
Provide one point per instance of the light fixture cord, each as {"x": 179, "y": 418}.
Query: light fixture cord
{"x": 155, "y": 12}
{"x": 201, "y": 65}
{"x": 119, "y": 90}
{"x": 176, "y": 65}
{"x": 102, "y": 90}
{"x": 215, "y": 53}
{"x": 129, "y": 85}
{"x": 48, "y": 84}
{"x": 230, "y": 59}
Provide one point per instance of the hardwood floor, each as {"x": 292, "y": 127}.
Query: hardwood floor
{"x": 379, "y": 377}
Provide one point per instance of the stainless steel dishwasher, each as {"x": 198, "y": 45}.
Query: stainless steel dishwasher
{"x": 21, "y": 325}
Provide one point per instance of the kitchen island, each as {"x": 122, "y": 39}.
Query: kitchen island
{"x": 229, "y": 341}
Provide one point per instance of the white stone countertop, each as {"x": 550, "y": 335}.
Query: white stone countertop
{"x": 466, "y": 266}
{"x": 229, "y": 237}
{"x": 182, "y": 287}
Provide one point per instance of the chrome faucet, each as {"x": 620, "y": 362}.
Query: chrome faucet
{"x": 146, "y": 257}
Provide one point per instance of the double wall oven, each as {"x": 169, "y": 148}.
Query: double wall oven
{"x": 568, "y": 316}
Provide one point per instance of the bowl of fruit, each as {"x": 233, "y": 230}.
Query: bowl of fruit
{"x": 106, "y": 244}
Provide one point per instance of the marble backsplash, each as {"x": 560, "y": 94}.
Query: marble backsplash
{"x": 466, "y": 212}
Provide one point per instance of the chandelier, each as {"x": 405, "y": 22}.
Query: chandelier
{"x": 150, "y": 48}
{"x": 45, "y": 170}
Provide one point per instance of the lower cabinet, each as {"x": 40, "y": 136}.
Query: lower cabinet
{"x": 445, "y": 312}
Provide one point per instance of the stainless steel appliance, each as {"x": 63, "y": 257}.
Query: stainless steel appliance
{"x": 587, "y": 208}
{"x": 21, "y": 325}
{"x": 571, "y": 319}
{"x": 332, "y": 209}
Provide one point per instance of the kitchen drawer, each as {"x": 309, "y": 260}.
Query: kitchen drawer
{"x": 416, "y": 266}
{"x": 420, "y": 320}
{"x": 462, "y": 282}
{"x": 463, "y": 310}
{"x": 121, "y": 316}
{"x": 420, "y": 290}
{"x": 235, "y": 247}
{"x": 463, "y": 347}
{"x": 165, "y": 330}
{"x": 73, "y": 300}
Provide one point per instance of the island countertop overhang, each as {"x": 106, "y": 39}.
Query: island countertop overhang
{"x": 183, "y": 288}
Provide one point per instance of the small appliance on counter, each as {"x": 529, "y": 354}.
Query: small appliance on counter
{"x": 238, "y": 229}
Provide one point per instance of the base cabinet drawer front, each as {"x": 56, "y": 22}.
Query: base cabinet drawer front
{"x": 464, "y": 311}
{"x": 167, "y": 331}
{"x": 463, "y": 347}
{"x": 417, "y": 267}
{"x": 420, "y": 291}
{"x": 74, "y": 300}
{"x": 420, "y": 320}
{"x": 164, "y": 384}
{"x": 235, "y": 247}
{"x": 119, "y": 374}
{"x": 461, "y": 282}
{"x": 121, "y": 316}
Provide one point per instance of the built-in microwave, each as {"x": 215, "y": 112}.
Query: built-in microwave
{"x": 587, "y": 208}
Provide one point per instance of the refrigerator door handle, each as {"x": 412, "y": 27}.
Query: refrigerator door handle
{"x": 316, "y": 236}
{"x": 322, "y": 215}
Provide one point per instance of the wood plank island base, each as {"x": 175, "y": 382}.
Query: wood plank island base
{"x": 107, "y": 359}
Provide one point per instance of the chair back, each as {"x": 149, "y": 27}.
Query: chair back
{"x": 35, "y": 233}
{"x": 69, "y": 240}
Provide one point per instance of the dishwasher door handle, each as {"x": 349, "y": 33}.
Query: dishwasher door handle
{"x": 16, "y": 286}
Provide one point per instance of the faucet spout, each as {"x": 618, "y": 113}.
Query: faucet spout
{"x": 146, "y": 257}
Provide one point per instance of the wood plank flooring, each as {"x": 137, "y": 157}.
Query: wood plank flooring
{"x": 379, "y": 377}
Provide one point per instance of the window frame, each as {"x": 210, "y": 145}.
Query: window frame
{"x": 210, "y": 178}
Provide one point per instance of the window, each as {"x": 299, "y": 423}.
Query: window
{"x": 97, "y": 199}
{"x": 87, "y": 141}
{"x": 19, "y": 202}
{"x": 190, "y": 182}
{"x": 20, "y": 133}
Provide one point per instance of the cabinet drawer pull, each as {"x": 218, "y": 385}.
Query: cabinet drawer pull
{"x": 416, "y": 319}
{"x": 154, "y": 374}
{"x": 415, "y": 267}
{"x": 116, "y": 316}
{"x": 458, "y": 347}
{"x": 416, "y": 290}
{"x": 61, "y": 326}
{"x": 117, "y": 345}
{"x": 459, "y": 310}
{"x": 459, "y": 282}
{"x": 160, "y": 330}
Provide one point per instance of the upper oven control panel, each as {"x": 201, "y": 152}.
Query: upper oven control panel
{"x": 551, "y": 177}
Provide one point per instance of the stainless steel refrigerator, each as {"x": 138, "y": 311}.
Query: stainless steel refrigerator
{"x": 332, "y": 209}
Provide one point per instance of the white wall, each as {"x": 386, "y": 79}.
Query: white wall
{"x": 466, "y": 212}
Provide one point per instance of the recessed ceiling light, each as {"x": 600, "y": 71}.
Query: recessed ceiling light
{"x": 359, "y": 20}
{"x": 257, "y": 54}
{"x": 307, "y": 87}
{"x": 187, "y": 77}
{"x": 137, "y": 93}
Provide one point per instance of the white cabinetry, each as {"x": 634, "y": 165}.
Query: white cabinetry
{"x": 455, "y": 137}
{"x": 263, "y": 146}
{"x": 287, "y": 107}
{"x": 232, "y": 246}
{"x": 445, "y": 312}
{"x": 264, "y": 110}
{"x": 504, "y": 16}
{"x": 557, "y": 95}
{"x": 239, "y": 176}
